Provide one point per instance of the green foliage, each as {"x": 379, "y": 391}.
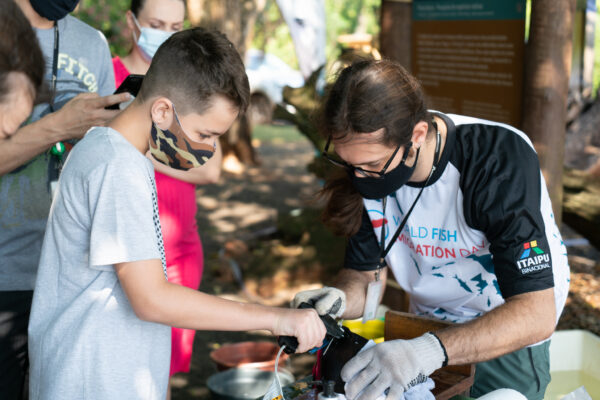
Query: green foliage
{"x": 350, "y": 16}
{"x": 272, "y": 35}
{"x": 109, "y": 17}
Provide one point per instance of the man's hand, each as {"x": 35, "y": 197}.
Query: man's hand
{"x": 395, "y": 365}
{"x": 327, "y": 300}
{"x": 305, "y": 325}
{"x": 72, "y": 121}
{"x": 83, "y": 111}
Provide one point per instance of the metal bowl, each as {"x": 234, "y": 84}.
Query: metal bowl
{"x": 244, "y": 383}
{"x": 259, "y": 355}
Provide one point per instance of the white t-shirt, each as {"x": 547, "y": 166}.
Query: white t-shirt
{"x": 85, "y": 341}
{"x": 482, "y": 231}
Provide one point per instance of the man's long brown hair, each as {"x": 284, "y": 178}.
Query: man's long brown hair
{"x": 367, "y": 96}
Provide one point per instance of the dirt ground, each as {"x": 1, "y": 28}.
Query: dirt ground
{"x": 244, "y": 208}
{"x": 241, "y": 221}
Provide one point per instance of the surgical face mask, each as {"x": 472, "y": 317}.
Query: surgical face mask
{"x": 378, "y": 187}
{"x": 172, "y": 148}
{"x": 150, "y": 39}
{"x": 53, "y": 9}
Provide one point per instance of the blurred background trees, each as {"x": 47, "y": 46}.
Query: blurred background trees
{"x": 258, "y": 24}
{"x": 261, "y": 23}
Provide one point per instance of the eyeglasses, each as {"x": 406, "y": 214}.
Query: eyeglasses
{"x": 337, "y": 161}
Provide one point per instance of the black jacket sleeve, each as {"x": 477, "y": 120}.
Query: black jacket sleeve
{"x": 362, "y": 249}
{"x": 502, "y": 185}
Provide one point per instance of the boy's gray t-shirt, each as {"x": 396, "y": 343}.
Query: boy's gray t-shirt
{"x": 85, "y": 341}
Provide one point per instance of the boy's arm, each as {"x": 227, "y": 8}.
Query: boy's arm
{"x": 156, "y": 300}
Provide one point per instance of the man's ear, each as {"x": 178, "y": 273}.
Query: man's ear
{"x": 162, "y": 112}
{"x": 419, "y": 134}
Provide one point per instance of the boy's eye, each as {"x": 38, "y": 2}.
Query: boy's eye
{"x": 201, "y": 136}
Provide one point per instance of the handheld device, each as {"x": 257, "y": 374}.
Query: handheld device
{"x": 337, "y": 355}
{"x": 131, "y": 84}
{"x": 334, "y": 331}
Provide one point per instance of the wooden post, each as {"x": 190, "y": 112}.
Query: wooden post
{"x": 547, "y": 70}
{"x": 395, "y": 34}
{"x": 236, "y": 19}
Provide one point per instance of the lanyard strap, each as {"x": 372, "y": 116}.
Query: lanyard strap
{"x": 384, "y": 250}
{"x": 54, "y": 65}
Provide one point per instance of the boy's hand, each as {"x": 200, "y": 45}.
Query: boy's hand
{"x": 83, "y": 111}
{"x": 303, "y": 324}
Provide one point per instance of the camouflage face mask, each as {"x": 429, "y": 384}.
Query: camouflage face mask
{"x": 172, "y": 147}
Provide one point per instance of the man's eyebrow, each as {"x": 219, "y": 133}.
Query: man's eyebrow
{"x": 372, "y": 161}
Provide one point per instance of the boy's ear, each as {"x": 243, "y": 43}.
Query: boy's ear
{"x": 162, "y": 112}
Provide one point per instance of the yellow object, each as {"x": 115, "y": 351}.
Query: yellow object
{"x": 373, "y": 329}
{"x": 574, "y": 362}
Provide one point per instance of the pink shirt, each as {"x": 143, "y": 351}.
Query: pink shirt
{"x": 121, "y": 71}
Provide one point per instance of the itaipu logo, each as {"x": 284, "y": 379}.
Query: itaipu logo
{"x": 533, "y": 258}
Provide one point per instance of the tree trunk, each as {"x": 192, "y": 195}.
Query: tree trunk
{"x": 581, "y": 207}
{"x": 236, "y": 19}
{"x": 396, "y": 30}
{"x": 547, "y": 69}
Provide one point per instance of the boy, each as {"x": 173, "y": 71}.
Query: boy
{"x": 102, "y": 308}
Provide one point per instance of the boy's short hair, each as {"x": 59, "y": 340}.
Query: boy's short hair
{"x": 192, "y": 66}
{"x": 19, "y": 48}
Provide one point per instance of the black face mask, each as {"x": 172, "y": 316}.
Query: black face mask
{"x": 379, "y": 187}
{"x": 53, "y": 9}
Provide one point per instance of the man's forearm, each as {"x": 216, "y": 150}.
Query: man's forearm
{"x": 354, "y": 283}
{"x": 523, "y": 320}
{"x": 28, "y": 142}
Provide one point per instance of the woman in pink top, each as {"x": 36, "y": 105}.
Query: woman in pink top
{"x": 151, "y": 23}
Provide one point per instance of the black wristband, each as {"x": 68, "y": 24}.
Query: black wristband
{"x": 443, "y": 349}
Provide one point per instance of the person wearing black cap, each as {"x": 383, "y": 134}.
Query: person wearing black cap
{"x": 78, "y": 70}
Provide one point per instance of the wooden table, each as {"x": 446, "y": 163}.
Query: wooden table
{"x": 449, "y": 381}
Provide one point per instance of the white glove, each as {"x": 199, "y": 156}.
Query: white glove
{"x": 327, "y": 300}
{"x": 395, "y": 365}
